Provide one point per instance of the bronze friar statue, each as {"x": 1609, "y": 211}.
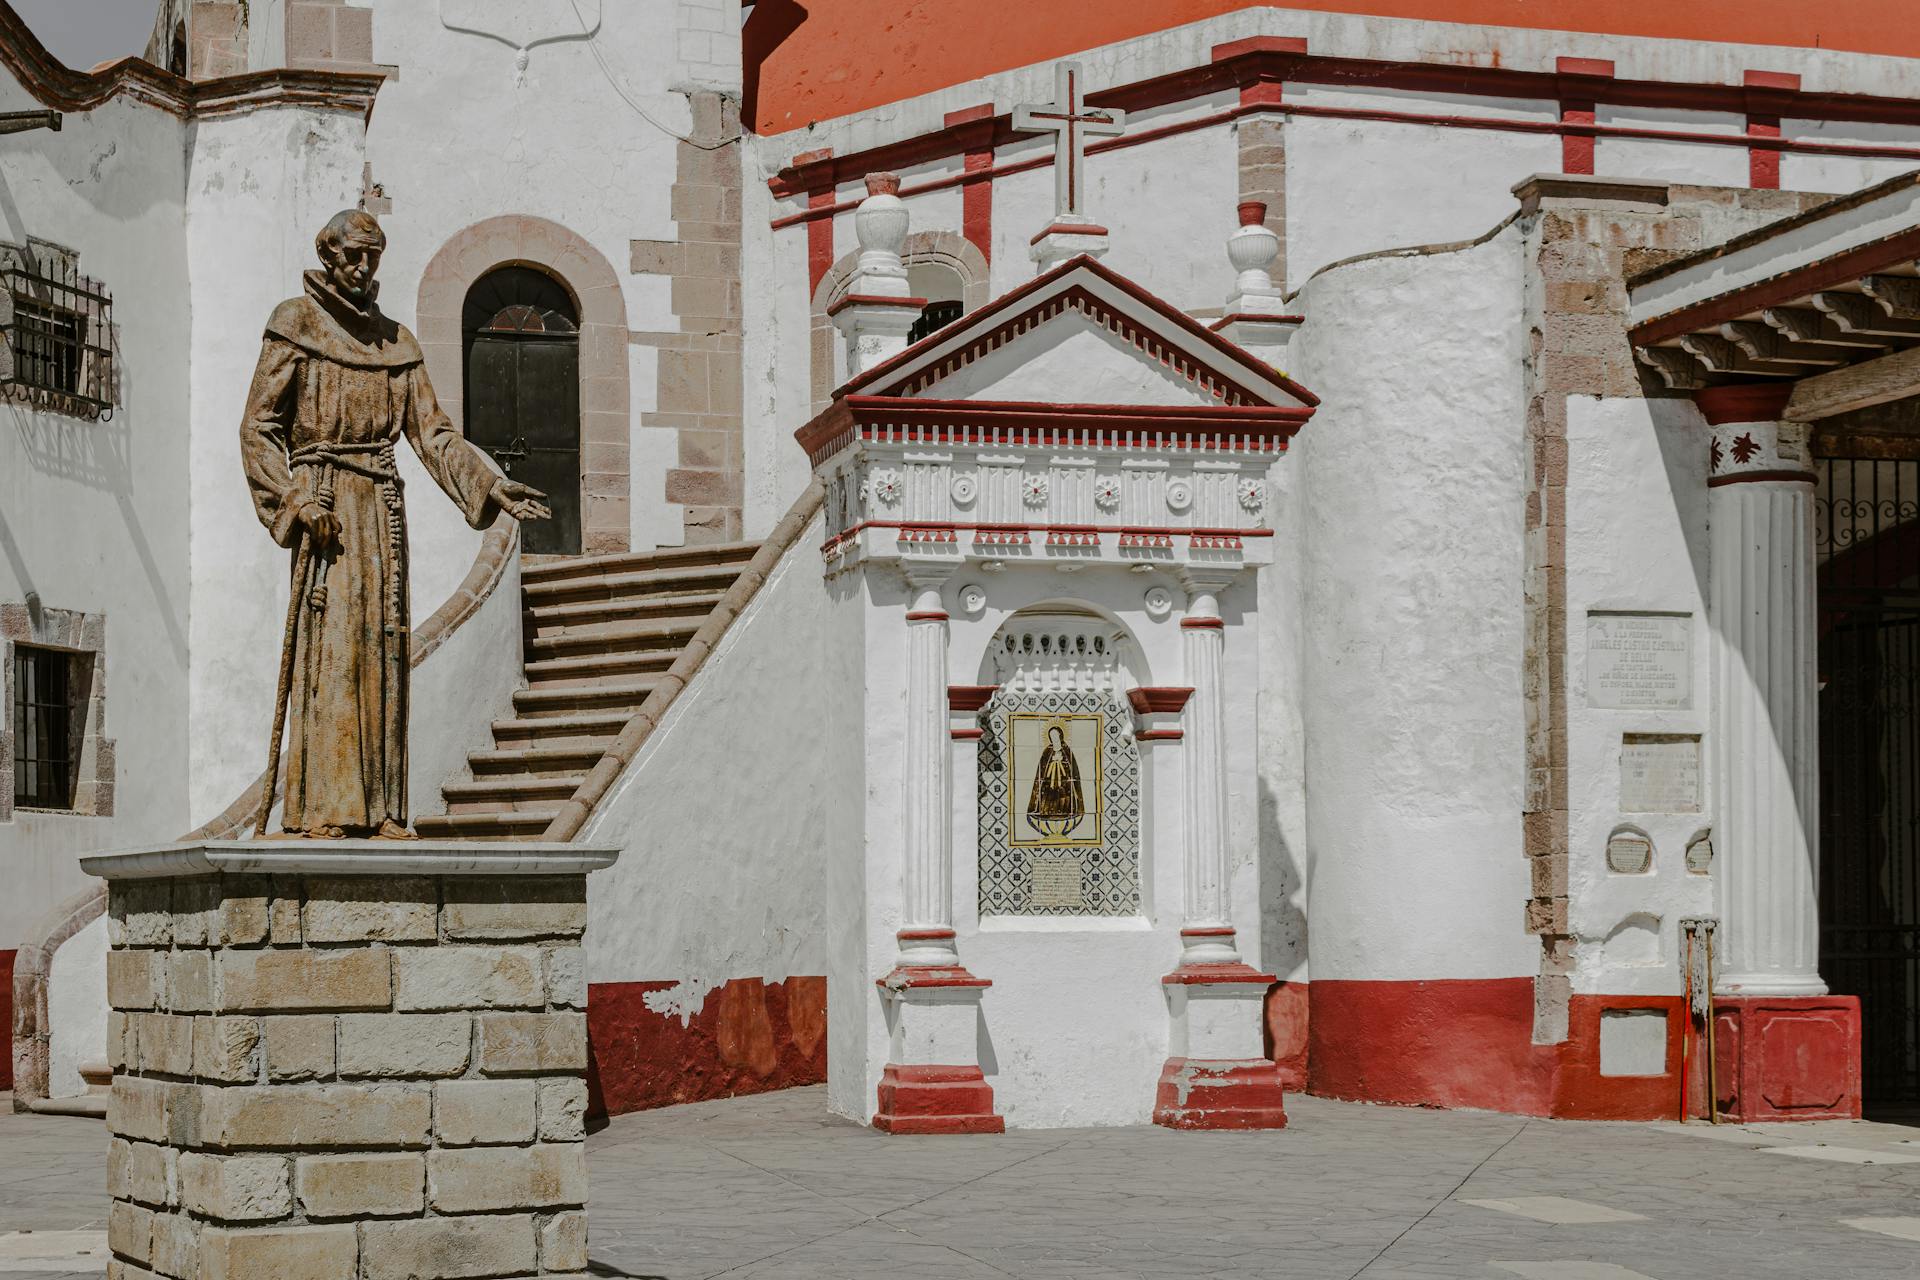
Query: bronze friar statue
{"x": 338, "y": 384}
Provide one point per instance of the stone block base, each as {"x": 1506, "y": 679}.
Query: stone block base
{"x": 347, "y": 1060}
{"x": 931, "y": 1099}
{"x": 1787, "y": 1057}
{"x": 1220, "y": 1095}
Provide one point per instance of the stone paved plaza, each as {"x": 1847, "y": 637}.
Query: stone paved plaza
{"x": 771, "y": 1186}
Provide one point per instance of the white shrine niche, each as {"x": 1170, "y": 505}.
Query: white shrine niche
{"x": 1060, "y": 710}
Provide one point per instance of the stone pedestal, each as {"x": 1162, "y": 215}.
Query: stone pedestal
{"x": 1218, "y": 1075}
{"x": 1787, "y": 1057}
{"x": 347, "y": 1060}
{"x": 932, "y": 1082}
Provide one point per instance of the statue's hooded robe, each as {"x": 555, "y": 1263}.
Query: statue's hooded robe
{"x": 338, "y": 384}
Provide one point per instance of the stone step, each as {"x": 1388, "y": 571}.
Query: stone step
{"x": 708, "y": 553}
{"x": 622, "y": 637}
{"x": 520, "y": 824}
{"x": 638, "y": 584}
{"x": 568, "y": 700}
{"x": 585, "y": 616}
{"x": 509, "y": 794}
{"x": 591, "y": 729}
{"x": 596, "y": 668}
{"x": 533, "y": 762}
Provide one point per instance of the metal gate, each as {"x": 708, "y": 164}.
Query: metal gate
{"x": 523, "y": 393}
{"x": 1867, "y": 541}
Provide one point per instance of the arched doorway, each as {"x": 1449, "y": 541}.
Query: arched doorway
{"x": 521, "y": 334}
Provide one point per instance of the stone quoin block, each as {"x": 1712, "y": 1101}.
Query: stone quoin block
{"x": 284, "y": 1253}
{"x": 523, "y": 1043}
{"x": 469, "y": 978}
{"x": 361, "y": 1186}
{"x": 190, "y": 982}
{"x": 166, "y": 1044}
{"x": 288, "y": 980}
{"x": 176, "y": 1246}
{"x": 490, "y": 1179}
{"x": 317, "y": 1115}
{"x": 300, "y": 1047}
{"x": 241, "y": 918}
{"x": 476, "y": 1112}
{"x": 450, "y": 1248}
{"x": 140, "y": 914}
{"x": 137, "y": 1108}
{"x": 130, "y": 1230}
{"x": 405, "y": 1044}
{"x": 225, "y": 1049}
{"x": 136, "y": 979}
{"x": 151, "y": 1174}
{"x": 236, "y": 1188}
{"x": 482, "y": 910}
{"x": 563, "y": 1242}
{"x": 369, "y": 909}
{"x": 567, "y": 977}
{"x": 563, "y": 1110}
{"x": 119, "y": 1151}
{"x": 123, "y": 1047}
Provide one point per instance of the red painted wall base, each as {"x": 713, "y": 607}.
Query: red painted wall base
{"x": 936, "y": 1100}
{"x": 750, "y": 1036}
{"x": 1220, "y": 1095}
{"x": 1469, "y": 1043}
{"x": 1788, "y": 1058}
{"x": 6, "y": 1018}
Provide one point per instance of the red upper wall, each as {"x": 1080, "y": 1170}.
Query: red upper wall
{"x": 811, "y": 60}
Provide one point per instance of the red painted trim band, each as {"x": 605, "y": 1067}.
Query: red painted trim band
{"x": 1070, "y": 229}
{"x": 1218, "y": 975}
{"x": 1157, "y": 699}
{"x": 1208, "y": 931}
{"x": 970, "y": 697}
{"x": 1158, "y": 735}
{"x": 1756, "y": 477}
{"x": 1250, "y": 317}
{"x": 1743, "y": 402}
{"x": 968, "y": 735}
{"x": 964, "y": 527}
{"x": 925, "y": 935}
{"x": 1199, "y": 624}
{"x": 926, "y": 615}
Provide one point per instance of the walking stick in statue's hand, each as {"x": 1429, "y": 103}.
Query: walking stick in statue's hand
{"x": 296, "y": 596}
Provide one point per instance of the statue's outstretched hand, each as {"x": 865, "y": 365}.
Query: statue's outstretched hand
{"x": 521, "y": 501}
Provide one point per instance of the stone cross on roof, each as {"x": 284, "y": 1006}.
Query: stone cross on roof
{"x": 1072, "y": 122}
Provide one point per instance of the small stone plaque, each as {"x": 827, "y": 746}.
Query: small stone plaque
{"x": 1059, "y": 882}
{"x": 1639, "y": 661}
{"x": 1660, "y": 773}
{"x": 1629, "y": 854}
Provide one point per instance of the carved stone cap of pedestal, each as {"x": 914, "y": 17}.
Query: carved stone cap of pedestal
{"x": 351, "y": 857}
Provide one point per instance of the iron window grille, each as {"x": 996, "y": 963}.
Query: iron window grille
{"x": 934, "y": 316}
{"x": 43, "y": 723}
{"x": 58, "y": 326}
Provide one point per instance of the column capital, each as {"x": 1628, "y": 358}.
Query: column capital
{"x": 1744, "y": 402}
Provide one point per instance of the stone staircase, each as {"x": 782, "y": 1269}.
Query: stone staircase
{"x": 601, "y": 632}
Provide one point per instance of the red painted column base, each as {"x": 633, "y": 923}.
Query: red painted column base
{"x": 1788, "y": 1057}
{"x": 1220, "y": 1095}
{"x": 936, "y": 1100}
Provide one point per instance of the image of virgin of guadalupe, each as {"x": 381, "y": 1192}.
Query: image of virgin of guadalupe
{"x": 1056, "y": 805}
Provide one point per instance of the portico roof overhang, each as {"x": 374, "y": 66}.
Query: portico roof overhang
{"x": 1828, "y": 301}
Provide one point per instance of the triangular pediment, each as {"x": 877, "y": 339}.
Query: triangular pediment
{"x": 1082, "y": 334}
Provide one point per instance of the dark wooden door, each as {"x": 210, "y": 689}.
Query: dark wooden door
{"x": 523, "y": 394}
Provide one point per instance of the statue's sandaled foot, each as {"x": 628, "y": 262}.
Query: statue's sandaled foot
{"x": 391, "y": 830}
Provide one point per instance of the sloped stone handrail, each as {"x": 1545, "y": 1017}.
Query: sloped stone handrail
{"x": 633, "y": 735}
{"x": 32, "y": 1031}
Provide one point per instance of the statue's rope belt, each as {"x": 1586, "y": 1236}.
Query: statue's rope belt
{"x": 376, "y": 462}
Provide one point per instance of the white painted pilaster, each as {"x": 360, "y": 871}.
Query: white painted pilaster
{"x": 1207, "y": 934}
{"x": 1766, "y": 710}
{"x": 926, "y": 934}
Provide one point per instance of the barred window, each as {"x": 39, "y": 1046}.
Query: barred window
{"x": 58, "y": 328}
{"x": 45, "y": 713}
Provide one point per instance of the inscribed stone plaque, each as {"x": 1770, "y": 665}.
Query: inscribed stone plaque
{"x": 1639, "y": 661}
{"x": 1660, "y": 773}
{"x": 1060, "y": 882}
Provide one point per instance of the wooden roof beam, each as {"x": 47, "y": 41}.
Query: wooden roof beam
{"x": 1892, "y": 377}
{"x": 1762, "y": 343}
{"x": 1675, "y": 367}
{"x": 1856, "y": 313}
{"x": 1805, "y": 324}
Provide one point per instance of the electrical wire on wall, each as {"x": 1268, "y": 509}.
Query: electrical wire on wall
{"x": 593, "y": 46}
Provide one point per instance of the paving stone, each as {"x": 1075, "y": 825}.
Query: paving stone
{"x": 1556, "y": 1209}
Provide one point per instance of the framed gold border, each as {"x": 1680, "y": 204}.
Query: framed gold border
{"x": 1092, "y": 788}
